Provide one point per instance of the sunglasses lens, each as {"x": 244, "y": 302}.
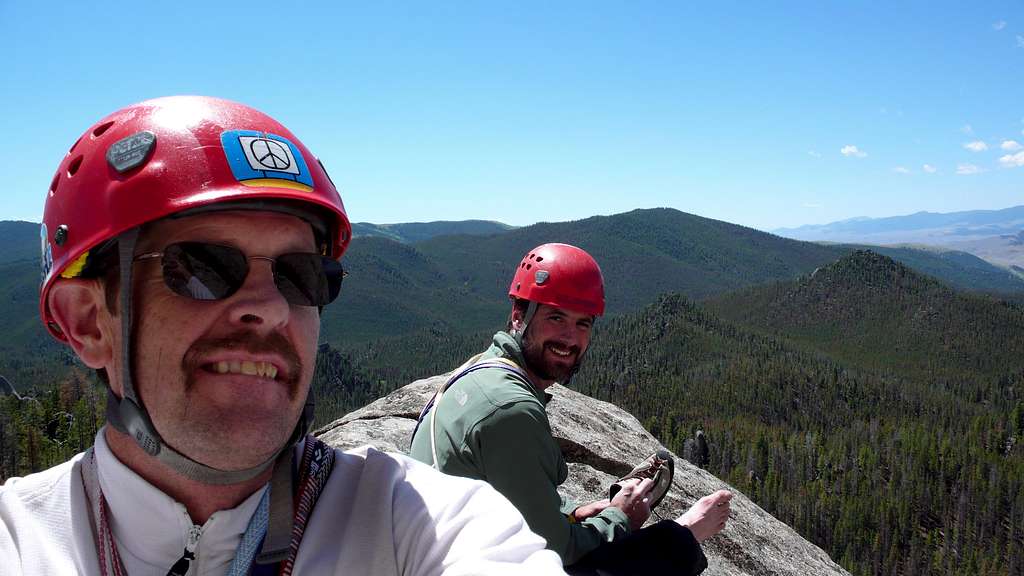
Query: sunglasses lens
{"x": 204, "y": 271}
{"x": 334, "y": 274}
{"x": 307, "y": 279}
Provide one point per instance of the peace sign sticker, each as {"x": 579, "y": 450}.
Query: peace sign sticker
{"x": 265, "y": 157}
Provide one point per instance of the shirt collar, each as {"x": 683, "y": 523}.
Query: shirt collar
{"x": 151, "y": 528}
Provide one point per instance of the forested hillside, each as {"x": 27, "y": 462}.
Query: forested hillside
{"x": 20, "y": 241}
{"x": 889, "y": 474}
{"x": 875, "y": 312}
{"x": 957, "y": 269}
{"x": 41, "y": 430}
{"x": 394, "y": 289}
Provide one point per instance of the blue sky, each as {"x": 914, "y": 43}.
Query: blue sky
{"x": 763, "y": 114}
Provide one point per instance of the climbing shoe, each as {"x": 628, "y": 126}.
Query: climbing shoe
{"x": 659, "y": 467}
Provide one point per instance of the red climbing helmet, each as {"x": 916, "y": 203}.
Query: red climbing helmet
{"x": 560, "y": 275}
{"x": 170, "y": 155}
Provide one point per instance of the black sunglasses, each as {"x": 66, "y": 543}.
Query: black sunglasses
{"x": 202, "y": 271}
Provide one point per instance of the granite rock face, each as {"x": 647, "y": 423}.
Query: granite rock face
{"x": 601, "y": 442}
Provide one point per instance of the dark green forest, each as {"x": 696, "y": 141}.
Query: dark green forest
{"x": 873, "y": 402}
{"x": 890, "y": 474}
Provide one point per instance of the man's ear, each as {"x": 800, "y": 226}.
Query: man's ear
{"x": 79, "y": 308}
{"x": 515, "y": 319}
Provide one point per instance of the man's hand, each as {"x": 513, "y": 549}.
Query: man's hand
{"x": 585, "y": 511}
{"x": 708, "y": 516}
{"x": 633, "y": 501}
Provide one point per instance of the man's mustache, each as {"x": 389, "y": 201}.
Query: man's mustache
{"x": 251, "y": 342}
{"x": 573, "y": 349}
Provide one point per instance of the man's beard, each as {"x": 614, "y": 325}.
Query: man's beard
{"x": 533, "y": 353}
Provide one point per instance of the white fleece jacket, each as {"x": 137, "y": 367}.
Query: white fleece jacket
{"x": 380, "y": 514}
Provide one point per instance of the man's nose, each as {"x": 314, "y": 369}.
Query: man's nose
{"x": 258, "y": 302}
{"x": 569, "y": 336}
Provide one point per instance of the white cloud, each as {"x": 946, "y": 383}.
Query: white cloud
{"x": 851, "y": 151}
{"x": 976, "y": 146}
{"x": 814, "y": 153}
{"x": 901, "y": 170}
{"x": 928, "y": 168}
{"x": 999, "y": 25}
{"x": 967, "y": 169}
{"x": 1013, "y": 160}
{"x": 967, "y": 129}
{"x": 1010, "y": 145}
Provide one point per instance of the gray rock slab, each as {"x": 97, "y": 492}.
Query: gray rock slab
{"x": 602, "y": 442}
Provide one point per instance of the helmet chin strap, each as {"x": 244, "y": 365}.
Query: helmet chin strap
{"x": 128, "y": 415}
{"x": 517, "y": 334}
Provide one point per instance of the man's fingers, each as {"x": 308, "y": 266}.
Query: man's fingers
{"x": 645, "y": 486}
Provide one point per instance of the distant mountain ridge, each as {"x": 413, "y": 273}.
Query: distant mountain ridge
{"x": 410, "y": 232}
{"x": 990, "y": 234}
{"x": 955, "y": 225}
{"x": 459, "y": 283}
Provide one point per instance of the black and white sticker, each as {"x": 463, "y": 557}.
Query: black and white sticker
{"x": 268, "y": 155}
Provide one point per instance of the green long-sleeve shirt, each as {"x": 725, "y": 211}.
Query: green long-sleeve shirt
{"x": 491, "y": 425}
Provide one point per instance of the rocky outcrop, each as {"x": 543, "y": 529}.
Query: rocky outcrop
{"x": 602, "y": 442}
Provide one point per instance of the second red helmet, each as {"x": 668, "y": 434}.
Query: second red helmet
{"x": 560, "y": 275}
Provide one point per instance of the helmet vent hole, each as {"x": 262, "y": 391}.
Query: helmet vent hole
{"x": 75, "y": 165}
{"x": 531, "y": 256}
{"x": 528, "y": 266}
{"x": 540, "y": 258}
{"x": 54, "y": 182}
{"x": 72, "y": 149}
{"x": 101, "y": 129}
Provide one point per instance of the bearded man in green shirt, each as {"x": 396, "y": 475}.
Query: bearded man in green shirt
{"x": 489, "y": 422}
